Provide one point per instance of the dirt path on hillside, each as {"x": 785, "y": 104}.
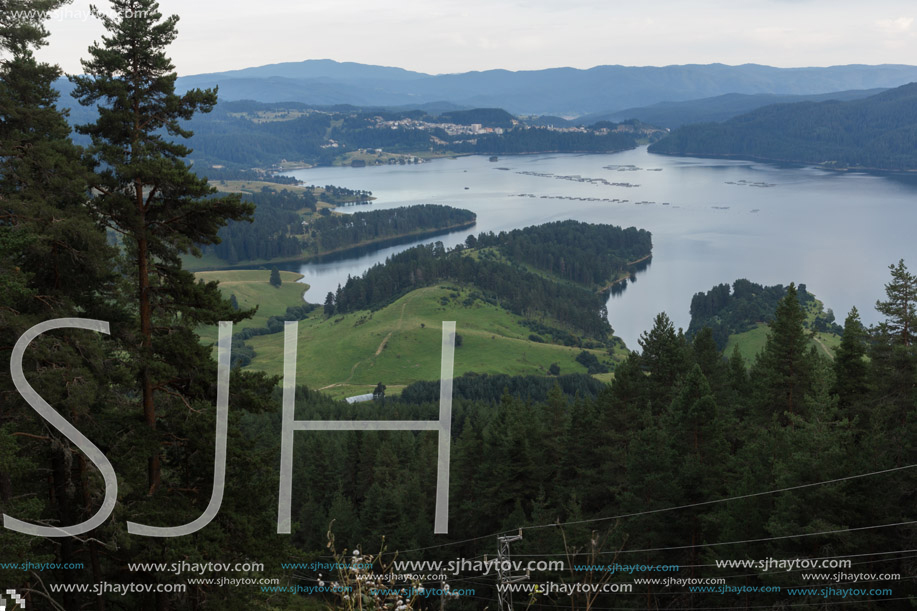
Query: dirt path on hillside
{"x": 823, "y": 347}
{"x": 398, "y": 328}
{"x": 381, "y": 347}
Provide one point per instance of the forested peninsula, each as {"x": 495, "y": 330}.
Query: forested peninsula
{"x": 290, "y": 225}
{"x": 874, "y": 133}
{"x": 550, "y": 270}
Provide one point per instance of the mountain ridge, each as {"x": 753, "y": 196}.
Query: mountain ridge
{"x": 716, "y": 109}
{"x": 561, "y": 91}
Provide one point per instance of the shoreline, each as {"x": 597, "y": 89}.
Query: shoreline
{"x": 454, "y": 155}
{"x": 624, "y": 275}
{"x": 306, "y": 258}
{"x": 418, "y": 234}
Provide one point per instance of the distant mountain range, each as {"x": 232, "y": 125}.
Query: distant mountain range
{"x": 842, "y": 116}
{"x": 878, "y": 132}
{"x": 566, "y": 92}
{"x": 716, "y": 109}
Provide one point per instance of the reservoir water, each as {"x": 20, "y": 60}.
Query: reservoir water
{"x": 712, "y": 221}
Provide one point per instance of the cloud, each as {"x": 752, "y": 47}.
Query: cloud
{"x": 895, "y": 26}
{"x": 438, "y": 36}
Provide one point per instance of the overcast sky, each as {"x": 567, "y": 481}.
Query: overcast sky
{"x": 440, "y": 36}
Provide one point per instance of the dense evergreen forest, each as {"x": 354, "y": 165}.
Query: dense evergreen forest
{"x": 335, "y": 232}
{"x": 280, "y": 229}
{"x": 719, "y": 108}
{"x": 494, "y": 264}
{"x": 877, "y": 132}
{"x": 131, "y": 374}
{"x": 487, "y": 117}
{"x": 685, "y": 458}
{"x": 580, "y": 252}
{"x": 273, "y": 231}
{"x": 245, "y": 174}
{"x": 748, "y": 303}
{"x": 490, "y": 388}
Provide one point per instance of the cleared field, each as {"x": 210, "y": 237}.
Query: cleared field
{"x": 349, "y": 354}
{"x": 254, "y": 186}
{"x": 752, "y": 342}
{"x": 252, "y": 288}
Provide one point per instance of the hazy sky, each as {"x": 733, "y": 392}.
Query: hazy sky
{"x": 438, "y": 36}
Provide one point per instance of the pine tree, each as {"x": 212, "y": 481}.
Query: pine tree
{"x": 467, "y": 476}
{"x": 43, "y": 185}
{"x": 143, "y": 190}
{"x": 785, "y": 365}
{"x": 893, "y": 371}
{"x": 696, "y": 435}
{"x": 900, "y": 308}
{"x": 22, "y": 24}
{"x": 149, "y": 195}
{"x": 820, "y": 445}
{"x": 651, "y": 463}
{"x": 509, "y": 458}
{"x": 54, "y": 263}
{"x": 850, "y": 368}
{"x": 739, "y": 387}
{"x": 275, "y": 277}
{"x": 665, "y": 358}
{"x": 712, "y": 364}
{"x": 620, "y": 408}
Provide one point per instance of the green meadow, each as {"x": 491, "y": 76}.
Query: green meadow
{"x": 752, "y": 342}
{"x": 253, "y": 289}
{"x": 401, "y": 343}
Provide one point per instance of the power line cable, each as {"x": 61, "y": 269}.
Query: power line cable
{"x": 726, "y": 500}
{"x": 761, "y": 540}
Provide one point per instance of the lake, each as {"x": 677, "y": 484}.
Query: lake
{"x": 712, "y": 221}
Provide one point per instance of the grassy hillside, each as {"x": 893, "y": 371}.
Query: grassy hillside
{"x": 399, "y": 344}
{"x": 752, "y": 342}
{"x": 585, "y": 256}
{"x": 251, "y": 288}
{"x": 351, "y": 343}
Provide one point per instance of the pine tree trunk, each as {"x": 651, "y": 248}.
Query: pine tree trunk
{"x": 65, "y": 493}
{"x": 6, "y": 487}
{"x": 93, "y": 546}
{"x": 146, "y": 311}
{"x": 146, "y": 331}
{"x": 905, "y": 327}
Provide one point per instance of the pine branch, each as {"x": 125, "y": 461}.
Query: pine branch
{"x": 44, "y": 594}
